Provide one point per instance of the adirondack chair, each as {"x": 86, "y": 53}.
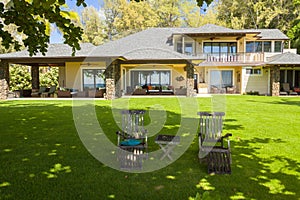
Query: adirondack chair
{"x": 132, "y": 139}
{"x": 212, "y": 145}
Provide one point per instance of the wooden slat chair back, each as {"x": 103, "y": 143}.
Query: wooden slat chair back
{"x": 211, "y": 142}
{"x": 132, "y": 139}
{"x": 211, "y": 126}
{"x": 133, "y": 123}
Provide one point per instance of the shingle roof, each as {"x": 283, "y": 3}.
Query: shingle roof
{"x": 284, "y": 59}
{"x": 54, "y": 51}
{"x": 270, "y": 34}
{"x": 150, "y": 44}
{"x": 208, "y": 28}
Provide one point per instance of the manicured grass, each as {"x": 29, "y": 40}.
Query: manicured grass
{"x": 42, "y": 156}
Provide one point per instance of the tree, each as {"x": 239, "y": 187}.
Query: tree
{"x": 168, "y": 12}
{"x": 134, "y": 17}
{"x": 31, "y": 17}
{"x": 111, "y": 12}
{"x": 191, "y": 17}
{"x": 93, "y": 26}
{"x": 294, "y": 32}
{"x": 258, "y": 13}
{"x": 283, "y": 15}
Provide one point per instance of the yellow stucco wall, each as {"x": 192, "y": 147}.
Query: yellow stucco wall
{"x": 73, "y": 75}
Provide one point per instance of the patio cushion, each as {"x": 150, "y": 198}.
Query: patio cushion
{"x": 130, "y": 142}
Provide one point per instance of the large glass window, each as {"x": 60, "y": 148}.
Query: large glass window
{"x": 219, "y": 47}
{"x": 221, "y": 78}
{"x": 154, "y": 78}
{"x": 253, "y": 47}
{"x": 278, "y": 46}
{"x": 93, "y": 78}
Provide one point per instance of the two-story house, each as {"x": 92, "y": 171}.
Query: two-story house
{"x": 208, "y": 59}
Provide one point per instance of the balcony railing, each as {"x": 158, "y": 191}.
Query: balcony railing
{"x": 232, "y": 57}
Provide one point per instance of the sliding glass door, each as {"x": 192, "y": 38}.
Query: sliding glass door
{"x": 147, "y": 77}
{"x": 221, "y": 78}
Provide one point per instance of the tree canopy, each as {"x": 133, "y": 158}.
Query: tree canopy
{"x": 31, "y": 18}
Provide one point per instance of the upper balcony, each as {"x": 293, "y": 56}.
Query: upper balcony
{"x": 246, "y": 58}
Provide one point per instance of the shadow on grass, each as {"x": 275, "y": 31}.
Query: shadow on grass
{"x": 290, "y": 101}
{"x": 45, "y": 158}
{"x": 254, "y": 176}
{"x": 42, "y": 157}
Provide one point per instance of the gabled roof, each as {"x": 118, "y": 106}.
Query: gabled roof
{"x": 284, "y": 59}
{"x": 150, "y": 44}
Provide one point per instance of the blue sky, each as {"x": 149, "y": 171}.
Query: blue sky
{"x": 56, "y": 36}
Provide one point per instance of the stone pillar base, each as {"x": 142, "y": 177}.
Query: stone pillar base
{"x": 110, "y": 89}
{"x": 275, "y": 89}
{"x": 3, "y": 89}
{"x": 190, "y": 87}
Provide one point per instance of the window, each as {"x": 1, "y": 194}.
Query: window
{"x": 188, "y": 48}
{"x": 179, "y": 47}
{"x": 253, "y": 47}
{"x": 221, "y": 78}
{"x": 154, "y": 78}
{"x": 219, "y": 47}
{"x": 278, "y": 46}
{"x": 267, "y": 46}
{"x": 253, "y": 71}
{"x": 93, "y": 78}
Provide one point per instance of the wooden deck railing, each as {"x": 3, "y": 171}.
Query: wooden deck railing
{"x": 232, "y": 57}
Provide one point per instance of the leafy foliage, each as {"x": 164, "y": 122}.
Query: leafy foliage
{"x": 240, "y": 14}
{"x": 93, "y": 26}
{"x": 20, "y": 78}
{"x": 48, "y": 76}
{"x": 31, "y": 18}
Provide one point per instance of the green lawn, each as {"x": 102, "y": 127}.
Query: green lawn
{"x": 42, "y": 156}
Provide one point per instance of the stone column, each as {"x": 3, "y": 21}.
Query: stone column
{"x": 275, "y": 80}
{"x": 35, "y": 75}
{"x": 117, "y": 77}
{"x": 3, "y": 89}
{"x": 109, "y": 81}
{"x": 189, "y": 80}
{"x": 4, "y": 71}
{"x": 110, "y": 89}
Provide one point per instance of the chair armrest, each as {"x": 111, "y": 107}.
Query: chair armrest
{"x": 227, "y": 135}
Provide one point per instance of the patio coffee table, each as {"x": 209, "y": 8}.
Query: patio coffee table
{"x": 167, "y": 144}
